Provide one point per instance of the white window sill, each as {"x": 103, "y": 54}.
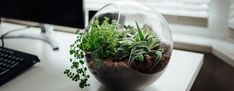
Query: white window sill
{"x": 221, "y": 48}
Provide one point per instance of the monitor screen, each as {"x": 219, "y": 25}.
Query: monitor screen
{"x": 58, "y": 12}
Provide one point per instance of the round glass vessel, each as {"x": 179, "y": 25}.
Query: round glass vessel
{"x": 142, "y": 47}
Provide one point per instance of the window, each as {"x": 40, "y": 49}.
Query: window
{"x": 231, "y": 16}
{"x": 190, "y": 8}
{"x": 191, "y": 12}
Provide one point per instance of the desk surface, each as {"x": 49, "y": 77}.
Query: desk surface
{"x": 48, "y": 74}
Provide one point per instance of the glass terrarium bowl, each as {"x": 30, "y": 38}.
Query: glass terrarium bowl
{"x": 140, "y": 58}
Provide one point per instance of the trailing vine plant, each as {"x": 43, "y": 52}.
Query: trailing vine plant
{"x": 101, "y": 40}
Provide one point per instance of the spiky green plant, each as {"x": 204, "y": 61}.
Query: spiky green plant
{"x": 136, "y": 45}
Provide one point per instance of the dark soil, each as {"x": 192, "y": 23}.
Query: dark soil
{"x": 147, "y": 66}
{"x": 112, "y": 73}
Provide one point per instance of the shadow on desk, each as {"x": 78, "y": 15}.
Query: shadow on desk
{"x": 102, "y": 88}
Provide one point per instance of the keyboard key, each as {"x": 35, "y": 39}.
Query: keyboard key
{"x": 10, "y": 57}
{"x": 8, "y": 66}
{"x": 14, "y": 65}
{"x": 9, "y": 61}
{"x": 1, "y": 63}
{"x": 1, "y": 68}
{"x": 17, "y": 58}
{"x": 14, "y": 57}
{"x": 11, "y": 52}
{"x": 12, "y": 62}
{"x": 4, "y": 72}
{"x": 21, "y": 59}
{"x": 5, "y": 60}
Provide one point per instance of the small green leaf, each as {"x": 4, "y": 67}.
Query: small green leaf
{"x": 158, "y": 57}
{"x": 153, "y": 42}
{"x": 135, "y": 53}
{"x": 140, "y": 57}
{"x": 140, "y": 32}
{"x": 138, "y": 44}
{"x": 72, "y": 52}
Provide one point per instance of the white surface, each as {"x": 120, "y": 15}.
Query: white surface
{"x": 221, "y": 48}
{"x": 48, "y": 74}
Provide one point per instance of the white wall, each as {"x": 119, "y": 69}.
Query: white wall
{"x": 231, "y": 15}
{"x": 218, "y": 17}
{"x": 217, "y": 23}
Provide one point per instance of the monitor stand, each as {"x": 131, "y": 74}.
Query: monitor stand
{"x": 46, "y": 31}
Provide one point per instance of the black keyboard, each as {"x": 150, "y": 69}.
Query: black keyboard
{"x": 13, "y": 62}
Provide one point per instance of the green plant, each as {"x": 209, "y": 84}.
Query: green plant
{"x": 139, "y": 44}
{"x": 77, "y": 72}
{"x": 101, "y": 41}
{"x": 104, "y": 42}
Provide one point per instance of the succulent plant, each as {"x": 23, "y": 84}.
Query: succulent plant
{"x": 140, "y": 43}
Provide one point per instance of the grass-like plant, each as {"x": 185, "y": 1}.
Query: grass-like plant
{"x": 104, "y": 42}
{"x": 140, "y": 44}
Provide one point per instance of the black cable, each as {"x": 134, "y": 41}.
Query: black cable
{"x": 2, "y": 41}
{"x": 14, "y": 30}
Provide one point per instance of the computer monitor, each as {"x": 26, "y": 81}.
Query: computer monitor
{"x": 58, "y": 12}
{"x": 68, "y": 13}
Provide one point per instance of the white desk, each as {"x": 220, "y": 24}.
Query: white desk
{"x": 48, "y": 74}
